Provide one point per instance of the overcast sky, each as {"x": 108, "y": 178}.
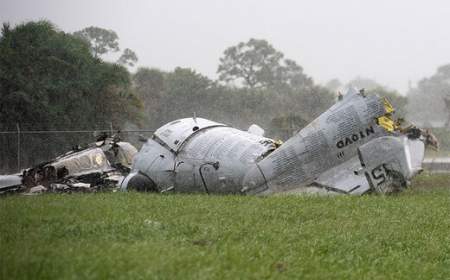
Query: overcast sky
{"x": 390, "y": 41}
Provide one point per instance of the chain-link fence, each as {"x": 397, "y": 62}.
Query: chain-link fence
{"x": 27, "y": 145}
{"x": 23, "y": 147}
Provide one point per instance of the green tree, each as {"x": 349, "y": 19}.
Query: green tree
{"x": 363, "y": 83}
{"x": 50, "y": 80}
{"x": 128, "y": 57}
{"x": 186, "y": 93}
{"x": 293, "y": 76}
{"x": 429, "y": 100}
{"x": 173, "y": 95}
{"x": 373, "y": 87}
{"x": 333, "y": 85}
{"x": 276, "y": 93}
{"x": 100, "y": 40}
{"x": 148, "y": 82}
{"x": 149, "y": 86}
{"x": 258, "y": 64}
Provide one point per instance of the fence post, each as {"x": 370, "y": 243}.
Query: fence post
{"x": 18, "y": 147}
{"x": 111, "y": 129}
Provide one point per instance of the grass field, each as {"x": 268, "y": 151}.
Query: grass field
{"x": 148, "y": 236}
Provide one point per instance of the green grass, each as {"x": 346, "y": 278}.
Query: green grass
{"x": 148, "y": 236}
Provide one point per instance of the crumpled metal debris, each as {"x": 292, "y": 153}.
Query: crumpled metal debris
{"x": 99, "y": 166}
{"x": 36, "y": 190}
{"x": 358, "y": 146}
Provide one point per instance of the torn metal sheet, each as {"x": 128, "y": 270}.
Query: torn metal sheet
{"x": 355, "y": 147}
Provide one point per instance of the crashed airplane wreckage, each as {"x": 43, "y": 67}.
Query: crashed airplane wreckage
{"x": 355, "y": 147}
{"x": 100, "y": 165}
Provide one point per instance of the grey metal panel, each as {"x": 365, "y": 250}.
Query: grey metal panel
{"x": 175, "y": 133}
{"x": 386, "y": 149}
{"x": 416, "y": 151}
{"x": 328, "y": 141}
{"x": 386, "y": 159}
{"x": 8, "y": 181}
{"x": 192, "y": 169}
{"x": 235, "y": 151}
{"x": 187, "y": 179}
{"x": 157, "y": 162}
{"x": 343, "y": 178}
{"x": 126, "y": 153}
{"x": 226, "y": 143}
{"x": 254, "y": 182}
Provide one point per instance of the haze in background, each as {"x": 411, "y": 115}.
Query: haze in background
{"x": 393, "y": 42}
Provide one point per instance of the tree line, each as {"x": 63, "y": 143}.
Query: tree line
{"x": 51, "y": 79}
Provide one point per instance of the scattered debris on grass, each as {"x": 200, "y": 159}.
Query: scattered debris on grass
{"x": 99, "y": 166}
